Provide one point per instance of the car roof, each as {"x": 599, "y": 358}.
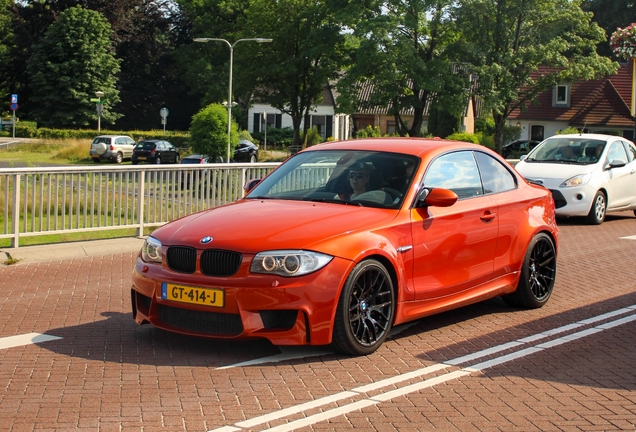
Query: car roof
{"x": 195, "y": 156}
{"x": 412, "y": 146}
{"x": 602, "y": 137}
{"x": 112, "y": 136}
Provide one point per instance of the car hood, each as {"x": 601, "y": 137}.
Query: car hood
{"x": 545, "y": 170}
{"x": 251, "y": 226}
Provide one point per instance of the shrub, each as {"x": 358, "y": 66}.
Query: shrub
{"x": 208, "y": 131}
{"x": 464, "y": 136}
{"x": 369, "y": 132}
{"x": 276, "y": 137}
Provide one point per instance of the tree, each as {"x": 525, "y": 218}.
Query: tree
{"x": 307, "y": 51}
{"x": 6, "y": 40}
{"x": 504, "y": 42}
{"x": 72, "y": 61}
{"x": 610, "y": 15}
{"x": 208, "y": 132}
{"x": 402, "y": 54}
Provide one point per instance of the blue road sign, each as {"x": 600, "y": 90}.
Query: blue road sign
{"x": 14, "y": 99}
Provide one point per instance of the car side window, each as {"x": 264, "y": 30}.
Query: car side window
{"x": 456, "y": 171}
{"x": 631, "y": 150}
{"x": 617, "y": 151}
{"x": 494, "y": 176}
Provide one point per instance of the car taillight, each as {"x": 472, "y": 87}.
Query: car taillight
{"x": 112, "y": 147}
{"x": 201, "y": 160}
{"x": 153, "y": 151}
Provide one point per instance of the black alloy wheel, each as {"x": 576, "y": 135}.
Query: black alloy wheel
{"x": 538, "y": 274}
{"x": 366, "y": 309}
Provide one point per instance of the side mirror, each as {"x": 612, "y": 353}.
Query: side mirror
{"x": 523, "y": 157}
{"x": 249, "y": 185}
{"x": 437, "y": 197}
{"x": 616, "y": 163}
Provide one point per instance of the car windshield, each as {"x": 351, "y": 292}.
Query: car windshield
{"x": 191, "y": 160}
{"x": 583, "y": 151}
{"x": 361, "y": 178}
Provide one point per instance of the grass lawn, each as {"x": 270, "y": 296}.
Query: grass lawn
{"x": 76, "y": 152}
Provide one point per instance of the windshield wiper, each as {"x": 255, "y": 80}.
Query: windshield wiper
{"x": 333, "y": 201}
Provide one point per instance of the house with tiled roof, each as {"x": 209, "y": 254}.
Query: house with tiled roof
{"x": 607, "y": 105}
{"x": 367, "y": 114}
{"x": 323, "y": 117}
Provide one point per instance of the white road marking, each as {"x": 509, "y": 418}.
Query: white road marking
{"x": 292, "y": 353}
{"x": 629, "y": 237}
{"x": 25, "y": 339}
{"x": 452, "y": 375}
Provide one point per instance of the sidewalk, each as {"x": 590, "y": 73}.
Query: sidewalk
{"x": 63, "y": 251}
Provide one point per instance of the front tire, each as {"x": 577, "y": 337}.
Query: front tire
{"x": 596, "y": 216}
{"x": 366, "y": 309}
{"x": 253, "y": 159}
{"x": 538, "y": 274}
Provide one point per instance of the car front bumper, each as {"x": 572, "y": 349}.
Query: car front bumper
{"x": 286, "y": 311}
{"x": 573, "y": 201}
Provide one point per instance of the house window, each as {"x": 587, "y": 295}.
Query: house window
{"x": 390, "y": 127}
{"x": 561, "y": 95}
{"x": 319, "y": 123}
{"x": 536, "y": 133}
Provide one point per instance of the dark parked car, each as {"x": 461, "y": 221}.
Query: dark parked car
{"x": 191, "y": 176}
{"x": 246, "y": 151}
{"x": 155, "y": 151}
{"x": 518, "y": 147}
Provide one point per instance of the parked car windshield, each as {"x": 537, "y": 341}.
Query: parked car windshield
{"x": 361, "y": 178}
{"x": 568, "y": 150}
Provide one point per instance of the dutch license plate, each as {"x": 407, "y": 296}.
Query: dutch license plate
{"x": 142, "y": 158}
{"x": 191, "y": 294}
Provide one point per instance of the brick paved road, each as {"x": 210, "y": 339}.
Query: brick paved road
{"x": 107, "y": 374}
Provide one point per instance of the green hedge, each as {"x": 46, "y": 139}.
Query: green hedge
{"x": 26, "y": 129}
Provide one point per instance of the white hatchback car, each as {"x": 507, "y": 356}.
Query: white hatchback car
{"x": 588, "y": 174}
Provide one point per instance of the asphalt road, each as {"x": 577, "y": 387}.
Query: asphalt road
{"x": 71, "y": 358}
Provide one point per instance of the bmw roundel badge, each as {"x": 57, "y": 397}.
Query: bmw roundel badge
{"x": 206, "y": 239}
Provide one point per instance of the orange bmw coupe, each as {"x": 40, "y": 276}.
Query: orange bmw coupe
{"x": 349, "y": 239}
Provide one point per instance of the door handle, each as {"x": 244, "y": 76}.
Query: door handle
{"x": 488, "y": 217}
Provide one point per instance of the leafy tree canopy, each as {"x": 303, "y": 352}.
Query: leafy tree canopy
{"x": 504, "y": 42}
{"x": 610, "y": 15}
{"x": 72, "y": 61}
{"x": 307, "y": 51}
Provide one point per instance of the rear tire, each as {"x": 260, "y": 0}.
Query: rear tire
{"x": 119, "y": 158}
{"x": 158, "y": 160}
{"x": 366, "y": 309}
{"x": 134, "y": 162}
{"x": 596, "y": 216}
{"x": 538, "y": 274}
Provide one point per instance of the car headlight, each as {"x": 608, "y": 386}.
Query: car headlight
{"x": 289, "y": 262}
{"x": 578, "y": 180}
{"x": 151, "y": 251}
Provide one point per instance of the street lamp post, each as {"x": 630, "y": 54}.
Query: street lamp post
{"x": 100, "y": 108}
{"x": 229, "y": 95}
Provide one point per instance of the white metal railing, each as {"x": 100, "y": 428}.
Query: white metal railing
{"x": 43, "y": 201}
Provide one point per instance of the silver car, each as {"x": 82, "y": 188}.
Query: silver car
{"x": 115, "y": 148}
